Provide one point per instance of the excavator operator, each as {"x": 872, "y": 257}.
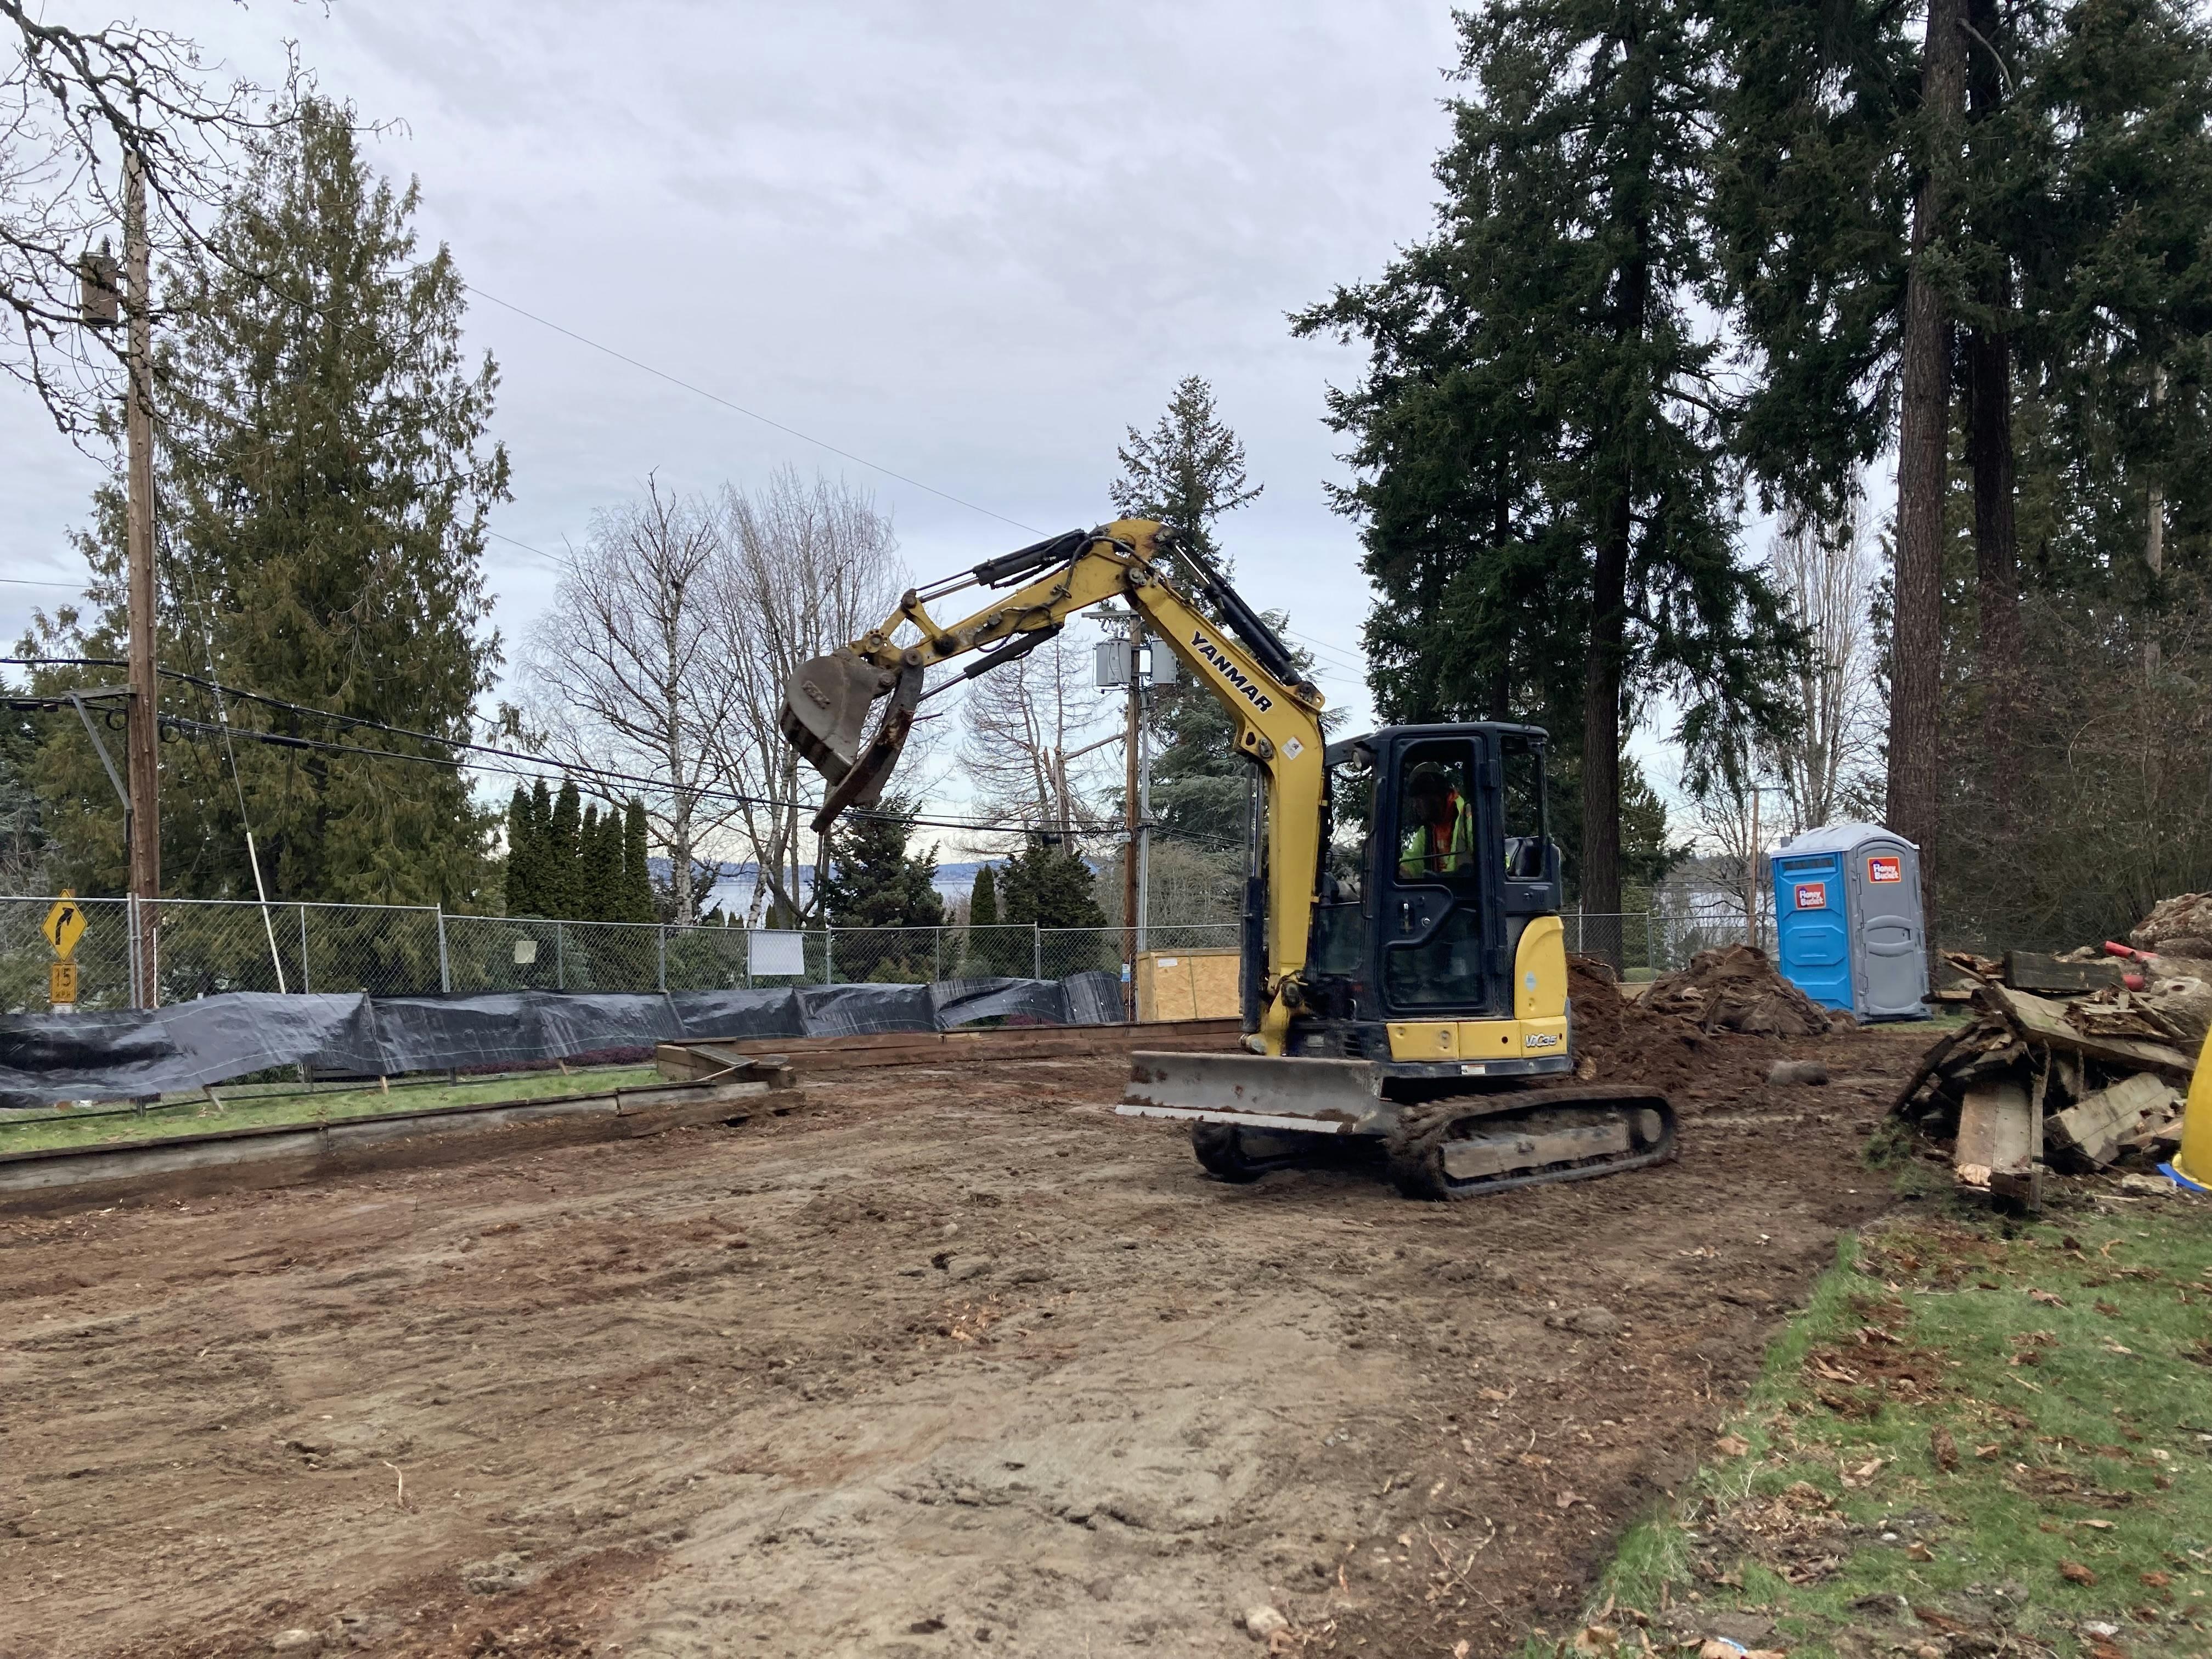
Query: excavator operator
{"x": 1442, "y": 841}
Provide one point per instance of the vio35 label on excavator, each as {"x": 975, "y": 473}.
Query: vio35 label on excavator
{"x": 1240, "y": 683}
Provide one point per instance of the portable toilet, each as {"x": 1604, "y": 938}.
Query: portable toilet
{"x": 1849, "y": 929}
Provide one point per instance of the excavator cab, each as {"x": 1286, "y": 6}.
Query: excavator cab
{"x": 1436, "y": 856}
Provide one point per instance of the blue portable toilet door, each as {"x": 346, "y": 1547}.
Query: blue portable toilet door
{"x": 1885, "y": 878}
{"x": 1812, "y": 937}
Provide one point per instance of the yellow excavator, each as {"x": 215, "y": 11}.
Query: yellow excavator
{"x": 1404, "y": 976}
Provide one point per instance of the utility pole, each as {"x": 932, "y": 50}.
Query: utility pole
{"x": 138, "y": 436}
{"x": 1130, "y": 815}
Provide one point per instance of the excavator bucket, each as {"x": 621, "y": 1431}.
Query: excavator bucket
{"x": 826, "y": 716}
{"x": 825, "y": 710}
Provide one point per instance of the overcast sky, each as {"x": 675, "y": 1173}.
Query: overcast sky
{"x": 970, "y": 243}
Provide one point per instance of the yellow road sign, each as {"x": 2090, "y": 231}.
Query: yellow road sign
{"x": 64, "y": 926}
{"x": 60, "y": 982}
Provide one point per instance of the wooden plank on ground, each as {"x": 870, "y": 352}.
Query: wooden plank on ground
{"x": 2044, "y": 1022}
{"x": 1996, "y": 1133}
{"x": 2033, "y": 970}
{"x": 700, "y": 1057}
{"x": 2094, "y": 1128}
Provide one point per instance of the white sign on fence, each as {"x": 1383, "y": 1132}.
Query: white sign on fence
{"x": 776, "y": 951}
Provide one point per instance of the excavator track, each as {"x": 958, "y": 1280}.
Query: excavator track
{"x": 1472, "y": 1146}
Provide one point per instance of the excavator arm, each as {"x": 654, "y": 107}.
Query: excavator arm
{"x": 1276, "y": 711}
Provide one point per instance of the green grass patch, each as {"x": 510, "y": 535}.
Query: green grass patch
{"x": 1981, "y": 1437}
{"x": 194, "y": 1114}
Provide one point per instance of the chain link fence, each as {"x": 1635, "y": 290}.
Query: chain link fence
{"x": 201, "y": 946}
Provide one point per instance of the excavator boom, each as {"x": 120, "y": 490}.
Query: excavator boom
{"x": 1276, "y": 710}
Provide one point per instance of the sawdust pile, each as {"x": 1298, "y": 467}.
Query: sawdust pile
{"x": 1737, "y": 988}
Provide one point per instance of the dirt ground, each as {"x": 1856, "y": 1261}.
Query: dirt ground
{"x": 941, "y": 1362}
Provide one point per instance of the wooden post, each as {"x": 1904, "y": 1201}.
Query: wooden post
{"x": 143, "y": 735}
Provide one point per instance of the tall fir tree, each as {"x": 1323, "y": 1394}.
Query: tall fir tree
{"x": 637, "y": 901}
{"x": 1544, "y": 495}
{"x": 563, "y": 887}
{"x": 324, "y": 478}
{"x": 1979, "y": 230}
{"x": 983, "y": 899}
{"x": 1188, "y": 471}
{"x": 521, "y": 848}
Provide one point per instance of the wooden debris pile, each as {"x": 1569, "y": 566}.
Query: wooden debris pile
{"x": 2033, "y": 1082}
{"x": 1737, "y": 987}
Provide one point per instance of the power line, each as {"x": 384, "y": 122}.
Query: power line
{"x": 511, "y": 759}
{"x": 749, "y": 413}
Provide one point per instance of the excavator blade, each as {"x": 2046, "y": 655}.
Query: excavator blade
{"x": 1264, "y": 1092}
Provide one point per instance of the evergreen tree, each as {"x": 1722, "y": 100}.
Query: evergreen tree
{"x": 562, "y": 888}
{"x": 2055, "y": 162}
{"x": 600, "y": 866}
{"x": 637, "y": 904}
{"x": 521, "y": 849}
{"x": 543, "y": 878}
{"x": 1187, "y": 471}
{"x": 993, "y": 947}
{"x": 1048, "y": 884}
{"x": 1543, "y": 494}
{"x": 873, "y": 881}
{"x": 324, "y": 476}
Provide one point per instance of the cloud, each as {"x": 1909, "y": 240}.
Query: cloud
{"x": 971, "y": 242}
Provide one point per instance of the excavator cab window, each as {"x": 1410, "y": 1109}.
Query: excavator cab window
{"x": 1339, "y": 928}
{"x": 1432, "y": 923}
{"x": 1526, "y": 838}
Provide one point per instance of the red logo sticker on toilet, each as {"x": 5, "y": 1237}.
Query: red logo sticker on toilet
{"x": 1811, "y": 895}
{"x": 1885, "y": 869}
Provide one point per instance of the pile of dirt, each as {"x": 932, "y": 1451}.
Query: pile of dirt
{"x": 1618, "y": 1039}
{"x": 2180, "y": 926}
{"x": 1737, "y": 988}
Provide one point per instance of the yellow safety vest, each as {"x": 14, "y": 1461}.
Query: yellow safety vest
{"x": 1419, "y": 859}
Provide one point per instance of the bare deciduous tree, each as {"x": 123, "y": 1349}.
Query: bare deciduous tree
{"x": 1825, "y": 573}
{"x": 631, "y": 671}
{"x": 808, "y": 565}
{"x": 1029, "y": 730}
{"x": 73, "y": 102}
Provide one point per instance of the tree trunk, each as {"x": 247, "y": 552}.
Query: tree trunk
{"x": 1990, "y": 450}
{"x": 1601, "y": 674}
{"x": 1923, "y": 435}
{"x": 1997, "y": 547}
